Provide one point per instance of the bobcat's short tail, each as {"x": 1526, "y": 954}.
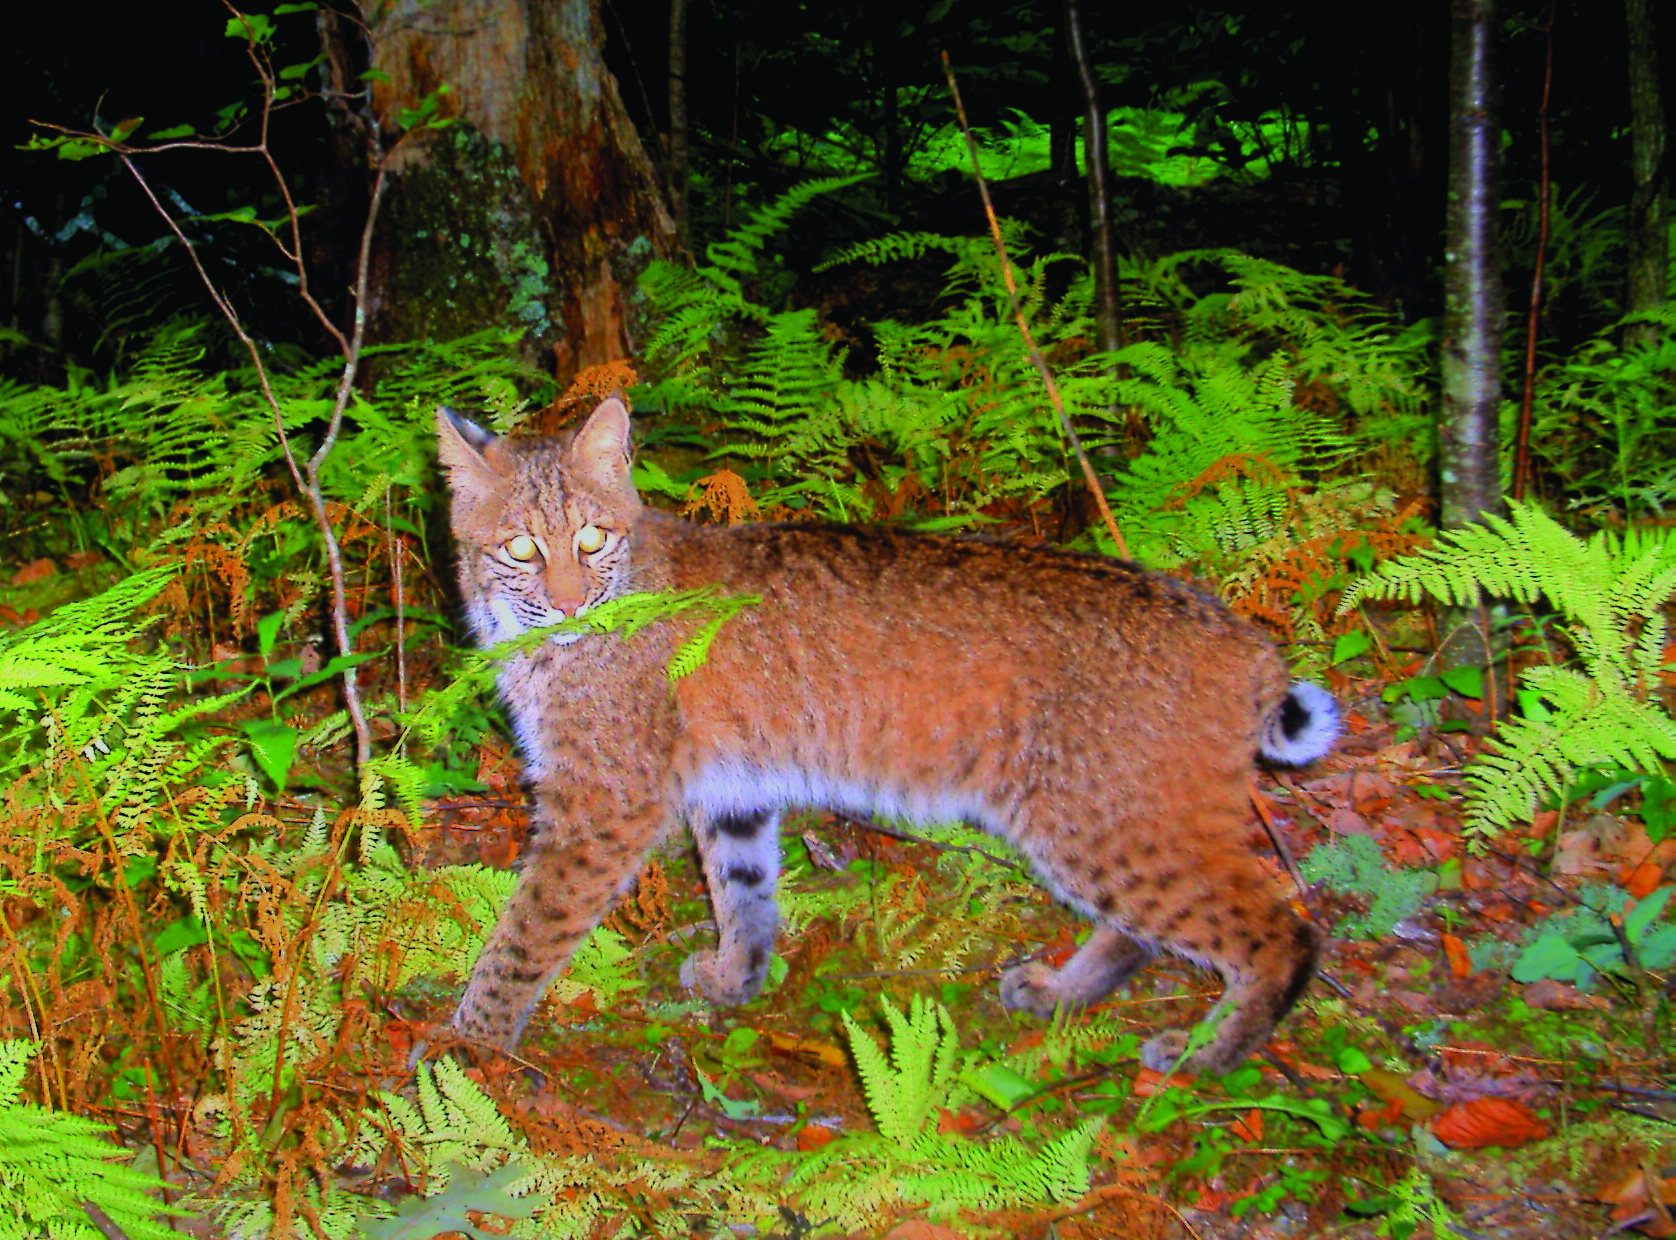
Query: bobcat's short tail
{"x": 1302, "y": 728}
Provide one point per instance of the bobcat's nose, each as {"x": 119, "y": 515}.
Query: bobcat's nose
{"x": 566, "y": 590}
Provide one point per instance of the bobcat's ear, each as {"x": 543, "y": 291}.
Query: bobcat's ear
{"x": 600, "y": 452}
{"x": 474, "y": 457}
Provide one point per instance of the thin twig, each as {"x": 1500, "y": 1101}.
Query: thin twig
{"x": 908, "y": 837}
{"x": 1089, "y": 477}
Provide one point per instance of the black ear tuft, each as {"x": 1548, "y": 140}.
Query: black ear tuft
{"x": 474, "y": 435}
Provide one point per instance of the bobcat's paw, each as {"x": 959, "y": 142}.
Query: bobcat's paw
{"x": 1162, "y": 1052}
{"x": 1031, "y": 988}
{"x": 707, "y": 973}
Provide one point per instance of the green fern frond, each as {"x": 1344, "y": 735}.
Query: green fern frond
{"x": 52, "y": 1165}
{"x": 1610, "y": 590}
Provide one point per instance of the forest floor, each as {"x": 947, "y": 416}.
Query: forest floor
{"x": 1532, "y": 1109}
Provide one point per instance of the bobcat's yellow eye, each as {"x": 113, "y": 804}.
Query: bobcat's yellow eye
{"x": 589, "y": 538}
{"x": 521, "y": 548}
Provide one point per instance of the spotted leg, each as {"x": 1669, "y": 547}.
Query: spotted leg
{"x": 741, "y": 855}
{"x": 1102, "y": 964}
{"x": 574, "y": 871}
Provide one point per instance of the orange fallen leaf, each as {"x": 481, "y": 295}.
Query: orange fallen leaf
{"x": 919, "y": 1229}
{"x": 1644, "y": 879}
{"x": 1480, "y": 1122}
{"x": 1375, "y": 1118}
{"x": 34, "y": 571}
{"x": 1249, "y": 1127}
{"x": 813, "y": 1136}
{"x": 1633, "y": 1196}
{"x": 1148, "y": 1082}
{"x": 1460, "y": 963}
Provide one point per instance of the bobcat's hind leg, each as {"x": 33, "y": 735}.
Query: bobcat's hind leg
{"x": 741, "y": 856}
{"x": 1102, "y": 964}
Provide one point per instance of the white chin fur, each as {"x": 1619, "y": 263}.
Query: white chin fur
{"x": 1320, "y": 727}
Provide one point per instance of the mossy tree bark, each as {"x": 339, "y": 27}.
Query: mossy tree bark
{"x": 1648, "y": 239}
{"x": 537, "y": 207}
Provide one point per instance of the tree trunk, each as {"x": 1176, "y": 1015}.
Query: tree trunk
{"x": 1469, "y": 437}
{"x": 678, "y": 122}
{"x": 537, "y": 207}
{"x": 1648, "y": 239}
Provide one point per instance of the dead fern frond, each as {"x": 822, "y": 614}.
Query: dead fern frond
{"x": 721, "y": 496}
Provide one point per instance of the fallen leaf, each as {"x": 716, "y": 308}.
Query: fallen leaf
{"x": 1210, "y": 1200}
{"x": 807, "y": 1048}
{"x": 1460, "y": 963}
{"x": 919, "y": 1229}
{"x": 772, "y": 1083}
{"x": 1644, "y": 879}
{"x": 1551, "y": 996}
{"x": 813, "y": 1136}
{"x": 1063, "y": 947}
{"x": 1392, "y": 1087}
{"x": 1480, "y": 1122}
{"x": 1148, "y": 1082}
{"x": 1249, "y": 1127}
{"x": 1372, "y": 1119}
{"x": 1633, "y": 1197}
{"x": 34, "y": 571}
{"x": 82, "y": 559}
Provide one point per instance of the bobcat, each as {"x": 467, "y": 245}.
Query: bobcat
{"x": 1101, "y": 718}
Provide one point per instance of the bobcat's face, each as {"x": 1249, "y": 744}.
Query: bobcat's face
{"x": 544, "y": 531}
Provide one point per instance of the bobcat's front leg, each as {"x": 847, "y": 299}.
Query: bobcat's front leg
{"x": 576, "y": 866}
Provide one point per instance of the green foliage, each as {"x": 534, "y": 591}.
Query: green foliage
{"x": 1610, "y": 591}
{"x": 1602, "y": 424}
{"x": 1578, "y": 945}
{"x": 953, "y": 418}
{"x": 858, "y": 1180}
{"x": 1353, "y": 865}
{"x": 53, "y": 1166}
{"x": 451, "y": 1129}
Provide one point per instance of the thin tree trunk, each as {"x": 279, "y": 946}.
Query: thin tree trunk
{"x": 537, "y": 208}
{"x": 1470, "y": 441}
{"x": 678, "y": 122}
{"x": 1107, "y": 294}
{"x": 1648, "y": 238}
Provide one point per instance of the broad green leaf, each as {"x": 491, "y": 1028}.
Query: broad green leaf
{"x": 1645, "y": 913}
{"x": 1349, "y": 645}
{"x": 1550, "y": 956}
{"x": 267, "y": 630}
{"x": 273, "y": 745}
{"x": 1353, "y": 1062}
{"x": 1466, "y": 681}
{"x": 999, "y": 1085}
{"x": 255, "y": 26}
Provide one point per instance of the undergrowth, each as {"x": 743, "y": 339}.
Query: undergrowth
{"x": 218, "y": 937}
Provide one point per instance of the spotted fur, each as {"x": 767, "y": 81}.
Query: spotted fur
{"x": 1102, "y": 718}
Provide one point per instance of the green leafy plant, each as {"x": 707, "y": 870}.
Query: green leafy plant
{"x": 1353, "y": 865}
{"x": 1609, "y": 591}
{"x": 1580, "y": 944}
{"x": 56, "y": 1168}
{"x": 860, "y": 1179}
